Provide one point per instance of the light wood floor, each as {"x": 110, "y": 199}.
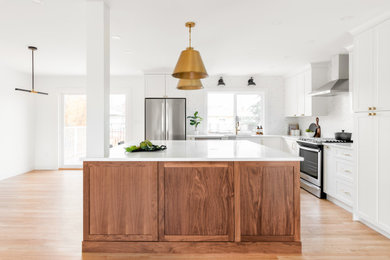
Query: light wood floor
{"x": 41, "y": 218}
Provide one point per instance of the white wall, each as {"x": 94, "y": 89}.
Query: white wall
{"x": 272, "y": 87}
{"x": 17, "y": 124}
{"x": 340, "y": 116}
{"x": 48, "y": 112}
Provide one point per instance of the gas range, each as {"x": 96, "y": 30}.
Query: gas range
{"x": 319, "y": 141}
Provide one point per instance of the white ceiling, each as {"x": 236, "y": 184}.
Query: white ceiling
{"x": 235, "y": 37}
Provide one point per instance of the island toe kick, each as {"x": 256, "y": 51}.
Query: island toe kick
{"x": 191, "y": 207}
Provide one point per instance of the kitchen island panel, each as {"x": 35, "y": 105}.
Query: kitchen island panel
{"x": 123, "y": 201}
{"x": 196, "y": 201}
{"x": 268, "y": 201}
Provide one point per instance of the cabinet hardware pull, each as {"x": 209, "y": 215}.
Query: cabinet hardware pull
{"x": 347, "y": 154}
{"x": 348, "y": 171}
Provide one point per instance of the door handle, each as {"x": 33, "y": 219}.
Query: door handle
{"x": 166, "y": 120}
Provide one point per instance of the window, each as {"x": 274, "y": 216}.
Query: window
{"x": 117, "y": 119}
{"x": 75, "y": 121}
{"x": 225, "y": 109}
{"x": 220, "y": 113}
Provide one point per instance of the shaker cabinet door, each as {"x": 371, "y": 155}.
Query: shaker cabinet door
{"x": 382, "y": 66}
{"x": 366, "y": 145}
{"x": 269, "y": 196}
{"x": 155, "y": 86}
{"x": 196, "y": 201}
{"x": 329, "y": 171}
{"x": 120, "y": 201}
{"x": 383, "y": 169}
{"x": 363, "y": 72}
{"x": 290, "y": 97}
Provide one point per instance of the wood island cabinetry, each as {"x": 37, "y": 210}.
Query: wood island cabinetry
{"x": 191, "y": 206}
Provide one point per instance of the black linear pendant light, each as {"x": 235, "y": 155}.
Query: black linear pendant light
{"x": 32, "y": 90}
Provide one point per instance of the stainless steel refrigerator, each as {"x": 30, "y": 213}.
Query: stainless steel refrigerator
{"x": 165, "y": 118}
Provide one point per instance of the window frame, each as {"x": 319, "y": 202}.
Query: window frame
{"x": 235, "y": 93}
{"x": 61, "y": 122}
{"x": 61, "y": 129}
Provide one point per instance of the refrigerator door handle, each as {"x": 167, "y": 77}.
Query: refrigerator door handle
{"x": 166, "y": 120}
{"x": 163, "y": 121}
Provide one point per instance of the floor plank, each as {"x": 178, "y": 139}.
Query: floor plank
{"x": 41, "y": 218}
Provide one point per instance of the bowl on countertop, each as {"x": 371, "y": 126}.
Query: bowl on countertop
{"x": 308, "y": 134}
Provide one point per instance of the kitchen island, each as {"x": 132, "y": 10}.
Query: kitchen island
{"x": 194, "y": 197}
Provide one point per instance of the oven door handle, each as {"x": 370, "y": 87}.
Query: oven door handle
{"x": 309, "y": 149}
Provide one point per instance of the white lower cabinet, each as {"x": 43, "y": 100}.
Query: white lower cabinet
{"x": 373, "y": 169}
{"x": 338, "y": 174}
{"x": 272, "y": 142}
{"x": 290, "y": 145}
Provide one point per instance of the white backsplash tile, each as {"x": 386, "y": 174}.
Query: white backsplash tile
{"x": 340, "y": 116}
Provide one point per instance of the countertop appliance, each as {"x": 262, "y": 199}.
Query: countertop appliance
{"x": 311, "y": 149}
{"x": 165, "y": 118}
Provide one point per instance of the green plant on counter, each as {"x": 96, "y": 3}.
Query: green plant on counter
{"x": 309, "y": 131}
{"x": 195, "y": 120}
{"x": 145, "y": 146}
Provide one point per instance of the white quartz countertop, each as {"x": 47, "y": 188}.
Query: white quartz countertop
{"x": 240, "y": 136}
{"x": 208, "y": 150}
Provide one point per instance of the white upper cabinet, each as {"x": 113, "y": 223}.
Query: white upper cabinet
{"x": 291, "y": 105}
{"x": 298, "y": 101}
{"x": 371, "y": 65}
{"x": 154, "y": 86}
{"x": 363, "y": 72}
{"x": 171, "y": 88}
{"x": 300, "y": 81}
{"x": 382, "y": 56}
{"x": 162, "y": 86}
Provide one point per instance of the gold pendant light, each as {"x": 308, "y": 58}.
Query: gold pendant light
{"x": 190, "y": 64}
{"x": 189, "y": 84}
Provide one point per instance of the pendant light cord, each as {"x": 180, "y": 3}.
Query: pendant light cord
{"x": 190, "y": 35}
{"x": 32, "y": 68}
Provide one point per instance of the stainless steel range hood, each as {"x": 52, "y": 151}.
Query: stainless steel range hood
{"x": 340, "y": 82}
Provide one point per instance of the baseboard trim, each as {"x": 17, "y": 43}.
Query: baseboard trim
{"x": 193, "y": 247}
{"x": 339, "y": 203}
{"x": 70, "y": 169}
{"x": 373, "y": 226}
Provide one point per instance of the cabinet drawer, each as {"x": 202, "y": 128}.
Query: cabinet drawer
{"x": 344, "y": 192}
{"x": 344, "y": 170}
{"x": 344, "y": 154}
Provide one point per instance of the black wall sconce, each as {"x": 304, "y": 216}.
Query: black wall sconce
{"x": 251, "y": 82}
{"x": 221, "y": 83}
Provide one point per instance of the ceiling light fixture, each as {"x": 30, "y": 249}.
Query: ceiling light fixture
{"x": 251, "y": 82}
{"x": 189, "y": 84}
{"x": 221, "y": 83}
{"x": 32, "y": 48}
{"x": 190, "y": 64}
